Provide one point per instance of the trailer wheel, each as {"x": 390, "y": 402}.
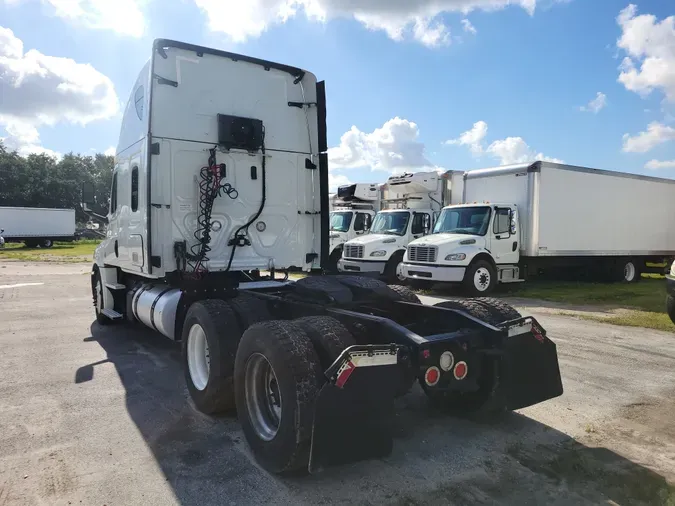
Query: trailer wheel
{"x": 499, "y": 310}
{"x": 278, "y": 380}
{"x": 97, "y": 296}
{"x": 480, "y": 278}
{"x": 670, "y": 307}
{"x": 249, "y": 309}
{"x": 328, "y": 335}
{"x": 47, "y": 243}
{"x": 406, "y": 293}
{"x": 628, "y": 271}
{"x": 210, "y": 338}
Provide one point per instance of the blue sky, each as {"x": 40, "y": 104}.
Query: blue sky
{"x": 453, "y": 84}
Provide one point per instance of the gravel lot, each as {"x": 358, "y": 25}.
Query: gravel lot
{"x": 100, "y": 416}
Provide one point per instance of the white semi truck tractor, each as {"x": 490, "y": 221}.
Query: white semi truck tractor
{"x": 353, "y": 210}
{"x": 409, "y": 209}
{"x": 220, "y": 185}
{"x": 518, "y": 221}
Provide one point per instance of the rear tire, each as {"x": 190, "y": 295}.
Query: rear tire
{"x": 31, "y": 244}
{"x": 210, "y": 338}
{"x": 499, "y": 310}
{"x": 406, "y": 293}
{"x": 277, "y": 413}
{"x": 670, "y": 307}
{"x": 628, "y": 271}
{"x": 47, "y": 243}
{"x": 249, "y": 309}
{"x": 329, "y": 337}
{"x": 480, "y": 279}
{"x": 470, "y": 307}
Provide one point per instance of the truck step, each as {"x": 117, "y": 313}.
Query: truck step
{"x": 511, "y": 281}
{"x": 115, "y": 286}
{"x": 112, "y": 314}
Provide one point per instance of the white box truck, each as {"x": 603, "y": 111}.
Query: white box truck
{"x": 410, "y": 208}
{"x": 37, "y": 226}
{"x": 520, "y": 220}
{"x": 353, "y": 210}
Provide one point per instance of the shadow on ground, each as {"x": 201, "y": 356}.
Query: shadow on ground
{"x": 436, "y": 459}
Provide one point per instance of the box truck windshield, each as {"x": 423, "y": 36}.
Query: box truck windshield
{"x": 390, "y": 223}
{"x": 463, "y": 220}
{"x": 339, "y": 222}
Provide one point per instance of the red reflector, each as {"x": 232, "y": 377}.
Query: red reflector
{"x": 461, "y": 370}
{"x": 344, "y": 375}
{"x": 426, "y": 353}
{"x": 432, "y": 376}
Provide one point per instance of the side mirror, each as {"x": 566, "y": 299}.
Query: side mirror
{"x": 88, "y": 196}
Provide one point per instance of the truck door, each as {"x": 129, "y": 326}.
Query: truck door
{"x": 421, "y": 225}
{"x": 505, "y": 242}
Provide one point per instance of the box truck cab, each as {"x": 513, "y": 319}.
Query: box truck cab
{"x": 411, "y": 204}
{"x": 353, "y": 210}
{"x": 475, "y": 244}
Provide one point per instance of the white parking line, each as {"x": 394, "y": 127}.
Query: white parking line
{"x": 20, "y": 284}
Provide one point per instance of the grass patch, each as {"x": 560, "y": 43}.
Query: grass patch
{"x": 647, "y": 295}
{"x": 645, "y": 319}
{"x": 73, "y": 252}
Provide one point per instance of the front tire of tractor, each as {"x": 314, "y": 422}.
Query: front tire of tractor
{"x": 333, "y": 261}
{"x": 406, "y": 293}
{"x": 210, "y": 338}
{"x": 480, "y": 279}
{"x": 392, "y": 269}
{"x": 97, "y": 296}
{"x": 278, "y": 380}
{"x": 670, "y": 307}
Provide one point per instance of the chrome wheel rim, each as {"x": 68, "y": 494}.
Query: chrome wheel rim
{"x": 629, "y": 271}
{"x": 263, "y": 397}
{"x": 481, "y": 279}
{"x": 199, "y": 362}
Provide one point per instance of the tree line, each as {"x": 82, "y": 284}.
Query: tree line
{"x": 40, "y": 180}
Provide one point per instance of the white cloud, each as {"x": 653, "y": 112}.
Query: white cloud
{"x": 468, "y": 27}
{"x": 393, "y": 148}
{"x": 650, "y": 48}
{"x": 657, "y": 133}
{"x": 121, "y": 16}
{"x": 335, "y": 180}
{"x": 110, "y": 151}
{"x": 472, "y": 138}
{"x": 44, "y": 90}
{"x": 595, "y": 105}
{"x": 516, "y": 150}
{"x": 25, "y": 139}
{"x": 399, "y": 19}
{"x": 657, "y": 164}
{"x": 507, "y": 151}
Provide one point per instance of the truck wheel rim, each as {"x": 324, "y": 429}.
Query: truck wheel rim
{"x": 263, "y": 398}
{"x": 99, "y": 296}
{"x": 399, "y": 272}
{"x": 629, "y": 271}
{"x": 481, "y": 279}
{"x": 199, "y": 362}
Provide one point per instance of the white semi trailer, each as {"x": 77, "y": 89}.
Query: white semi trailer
{"x": 353, "y": 210}
{"x": 37, "y": 226}
{"x": 220, "y": 174}
{"x": 517, "y": 221}
{"x": 409, "y": 210}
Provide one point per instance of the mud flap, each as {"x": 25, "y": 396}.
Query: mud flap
{"x": 530, "y": 370}
{"x": 355, "y": 408}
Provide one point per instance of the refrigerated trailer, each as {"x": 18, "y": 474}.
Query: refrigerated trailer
{"x": 222, "y": 175}
{"x": 520, "y": 220}
{"x": 37, "y": 226}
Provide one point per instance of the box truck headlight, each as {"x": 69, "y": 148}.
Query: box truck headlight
{"x": 455, "y": 257}
{"x": 378, "y": 253}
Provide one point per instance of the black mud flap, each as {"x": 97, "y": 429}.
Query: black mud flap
{"x": 530, "y": 372}
{"x": 355, "y": 409}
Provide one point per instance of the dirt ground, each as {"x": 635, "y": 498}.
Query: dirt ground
{"x": 100, "y": 415}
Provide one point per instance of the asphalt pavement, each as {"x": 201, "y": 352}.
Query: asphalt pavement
{"x": 101, "y": 416}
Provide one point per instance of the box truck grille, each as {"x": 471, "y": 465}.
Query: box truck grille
{"x": 353, "y": 251}
{"x": 422, "y": 253}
